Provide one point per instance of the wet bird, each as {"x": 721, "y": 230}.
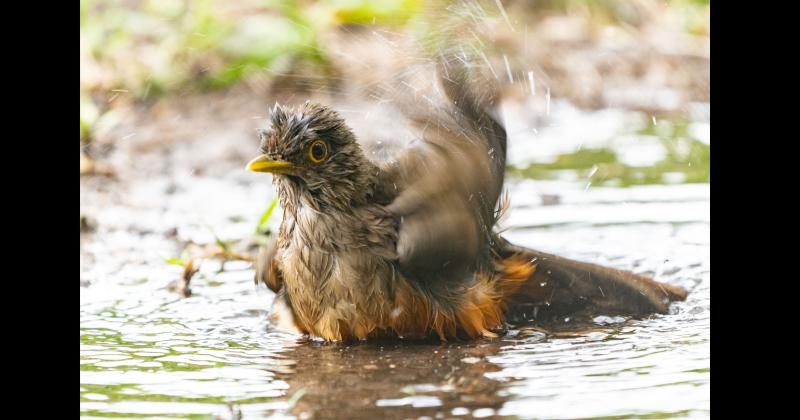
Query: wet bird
{"x": 398, "y": 239}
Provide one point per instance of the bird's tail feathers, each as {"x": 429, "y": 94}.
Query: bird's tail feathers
{"x": 557, "y": 286}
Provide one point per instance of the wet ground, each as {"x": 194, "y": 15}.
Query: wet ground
{"x": 148, "y": 352}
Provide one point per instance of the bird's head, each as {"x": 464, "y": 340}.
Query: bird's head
{"x": 312, "y": 155}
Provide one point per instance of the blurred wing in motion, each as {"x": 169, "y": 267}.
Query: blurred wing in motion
{"x": 444, "y": 183}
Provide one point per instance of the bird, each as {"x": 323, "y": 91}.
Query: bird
{"x": 399, "y": 239}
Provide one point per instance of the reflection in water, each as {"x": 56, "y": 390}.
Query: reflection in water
{"x": 406, "y": 380}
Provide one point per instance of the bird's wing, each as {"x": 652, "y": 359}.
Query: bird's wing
{"x": 266, "y": 266}
{"x": 444, "y": 169}
{"x": 268, "y": 272}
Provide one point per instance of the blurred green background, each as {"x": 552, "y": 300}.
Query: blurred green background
{"x": 139, "y": 52}
{"x": 164, "y": 47}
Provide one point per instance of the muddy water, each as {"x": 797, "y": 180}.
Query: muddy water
{"x": 147, "y": 352}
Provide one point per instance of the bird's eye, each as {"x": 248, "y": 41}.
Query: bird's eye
{"x": 318, "y": 151}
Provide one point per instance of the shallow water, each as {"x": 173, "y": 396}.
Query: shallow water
{"x": 147, "y": 352}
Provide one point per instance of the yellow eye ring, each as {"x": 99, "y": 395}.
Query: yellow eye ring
{"x": 318, "y": 151}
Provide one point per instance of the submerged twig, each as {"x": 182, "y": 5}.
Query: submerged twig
{"x": 181, "y": 286}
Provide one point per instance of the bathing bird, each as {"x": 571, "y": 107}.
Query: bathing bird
{"x": 396, "y": 235}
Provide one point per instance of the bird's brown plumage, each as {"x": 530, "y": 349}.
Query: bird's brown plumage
{"x": 399, "y": 240}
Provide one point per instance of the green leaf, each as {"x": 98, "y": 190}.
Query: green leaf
{"x": 261, "y": 228}
{"x": 174, "y": 261}
{"x": 222, "y": 244}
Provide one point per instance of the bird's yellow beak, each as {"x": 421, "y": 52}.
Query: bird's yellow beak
{"x": 264, "y": 163}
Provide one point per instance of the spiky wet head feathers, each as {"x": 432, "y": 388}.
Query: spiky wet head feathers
{"x": 328, "y": 166}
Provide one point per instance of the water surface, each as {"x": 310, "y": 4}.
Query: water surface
{"x": 147, "y": 352}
